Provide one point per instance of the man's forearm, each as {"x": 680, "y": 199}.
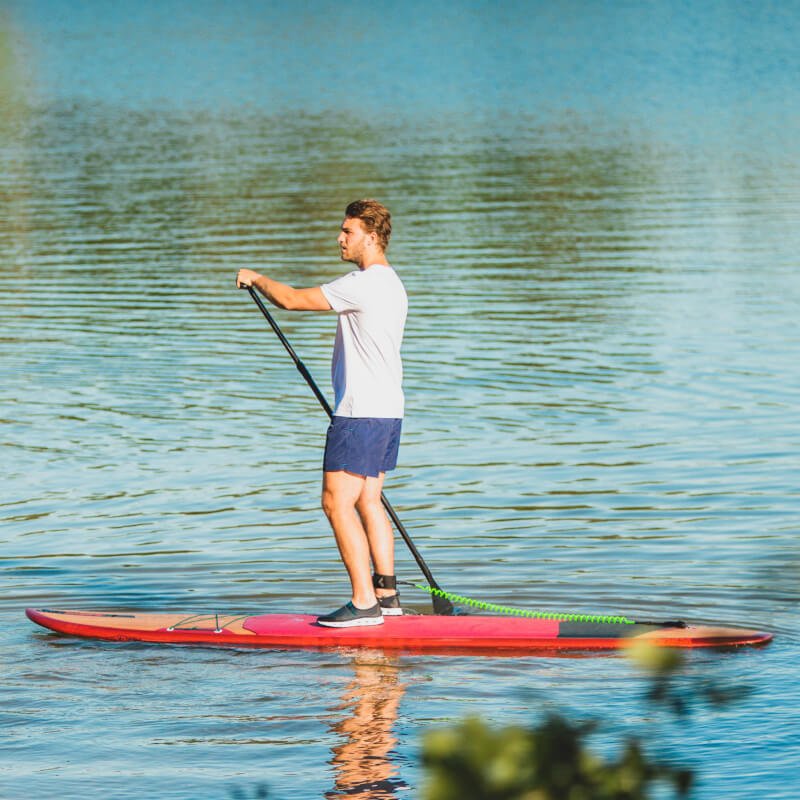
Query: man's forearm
{"x": 279, "y": 294}
{"x": 283, "y": 295}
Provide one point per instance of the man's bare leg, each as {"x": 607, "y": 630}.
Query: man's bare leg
{"x": 340, "y": 494}
{"x": 378, "y": 529}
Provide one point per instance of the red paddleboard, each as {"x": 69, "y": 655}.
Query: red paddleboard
{"x": 484, "y": 635}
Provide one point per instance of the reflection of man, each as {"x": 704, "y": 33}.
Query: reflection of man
{"x": 364, "y": 434}
{"x": 362, "y": 764}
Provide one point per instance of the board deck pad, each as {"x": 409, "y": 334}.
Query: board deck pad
{"x": 479, "y": 634}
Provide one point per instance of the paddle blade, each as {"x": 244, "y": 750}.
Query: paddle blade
{"x": 442, "y": 606}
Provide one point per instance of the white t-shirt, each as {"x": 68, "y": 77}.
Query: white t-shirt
{"x": 367, "y": 371}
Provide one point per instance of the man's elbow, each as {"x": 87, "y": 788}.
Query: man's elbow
{"x": 290, "y": 301}
{"x": 286, "y": 298}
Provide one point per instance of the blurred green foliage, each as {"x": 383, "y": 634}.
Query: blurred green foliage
{"x": 553, "y": 760}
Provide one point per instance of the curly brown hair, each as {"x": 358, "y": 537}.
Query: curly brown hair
{"x": 375, "y": 218}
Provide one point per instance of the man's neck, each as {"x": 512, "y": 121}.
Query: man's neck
{"x": 375, "y": 259}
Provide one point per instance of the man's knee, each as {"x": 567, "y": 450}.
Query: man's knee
{"x": 329, "y": 502}
{"x": 336, "y": 498}
{"x": 369, "y": 500}
{"x": 368, "y": 504}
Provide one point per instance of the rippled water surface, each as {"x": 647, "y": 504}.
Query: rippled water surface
{"x": 601, "y": 380}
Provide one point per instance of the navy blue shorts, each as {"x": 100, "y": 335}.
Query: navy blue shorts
{"x": 362, "y": 445}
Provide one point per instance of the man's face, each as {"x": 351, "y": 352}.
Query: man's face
{"x": 353, "y": 240}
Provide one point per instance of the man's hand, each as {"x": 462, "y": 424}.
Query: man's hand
{"x": 245, "y": 278}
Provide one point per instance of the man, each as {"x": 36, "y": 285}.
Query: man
{"x": 364, "y": 434}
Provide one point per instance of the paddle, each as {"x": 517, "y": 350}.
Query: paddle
{"x": 441, "y": 605}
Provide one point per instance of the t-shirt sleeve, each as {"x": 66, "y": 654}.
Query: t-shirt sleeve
{"x": 345, "y": 293}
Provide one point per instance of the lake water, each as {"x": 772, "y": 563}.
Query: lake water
{"x": 596, "y": 218}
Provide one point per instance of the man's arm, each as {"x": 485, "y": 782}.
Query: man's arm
{"x": 282, "y": 295}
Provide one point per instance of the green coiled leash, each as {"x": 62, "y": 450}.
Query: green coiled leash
{"x": 522, "y": 612}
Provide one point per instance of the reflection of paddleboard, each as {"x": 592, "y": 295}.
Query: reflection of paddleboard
{"x": 421, "y": 633}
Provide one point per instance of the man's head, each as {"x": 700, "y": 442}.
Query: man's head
{"x": 375, "y": 220}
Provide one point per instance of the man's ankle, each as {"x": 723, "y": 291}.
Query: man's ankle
{"x": 384, "y": 585}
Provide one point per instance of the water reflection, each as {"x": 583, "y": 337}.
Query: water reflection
{"x": 362, "y": 761}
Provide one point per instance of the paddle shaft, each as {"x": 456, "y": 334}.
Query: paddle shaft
{"x": 441, "y": 605}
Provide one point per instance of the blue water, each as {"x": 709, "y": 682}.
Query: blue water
{"x": 596, "y": 220}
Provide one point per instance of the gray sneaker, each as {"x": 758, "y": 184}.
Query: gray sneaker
{"x": 348, "y": 616}
{"x": 390, "y": 606}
